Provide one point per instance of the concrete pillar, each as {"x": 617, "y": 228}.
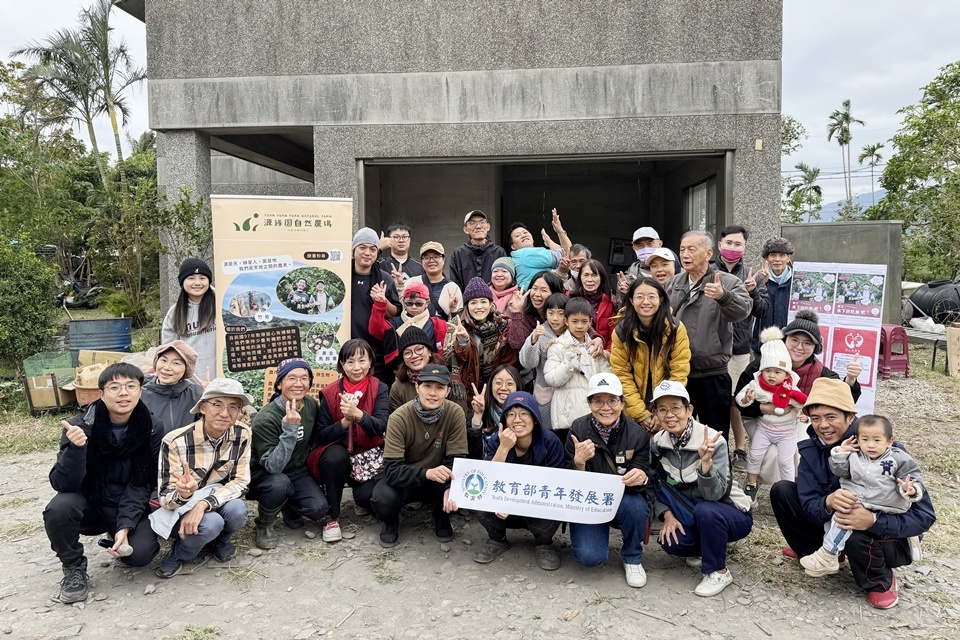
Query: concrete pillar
{"x": 183, "y": 160}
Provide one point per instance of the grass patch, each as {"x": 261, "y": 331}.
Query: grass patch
{"x": 381, "y": 572}
{"x": 193, "y": 632}
{"x": 13, "y": 503}
{"x": 19, "y": 530}
{"x": 241, "y": 576}
{"x": 26, "y": 434}
{"x": 314, "y": 552}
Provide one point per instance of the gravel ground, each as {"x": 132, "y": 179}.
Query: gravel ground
{"x": 355, "y": 589}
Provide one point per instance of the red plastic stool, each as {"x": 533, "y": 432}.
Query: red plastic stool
{"x": 894, "y": 351}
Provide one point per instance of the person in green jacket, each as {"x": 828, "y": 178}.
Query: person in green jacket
{"x": 281, "y": 436}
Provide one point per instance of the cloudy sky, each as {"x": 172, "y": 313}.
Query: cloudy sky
{"x": 877, "y": 53}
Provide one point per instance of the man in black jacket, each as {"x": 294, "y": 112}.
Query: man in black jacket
{"x": 475, "y": 258}
{"x": 104, "y": 475}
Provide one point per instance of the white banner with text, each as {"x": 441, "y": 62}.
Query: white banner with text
{"x": 537, "y": 492}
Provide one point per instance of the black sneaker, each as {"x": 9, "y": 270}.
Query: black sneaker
{"x": 740, "y": 460}
{"x": 751, "y": 491}
{"x": 169, "y": 566}
{"x": 442, "y": 529}
{"x": 73, "y": 587}
{"x": 390, "y": 534}
{"x": 224, "y": 552}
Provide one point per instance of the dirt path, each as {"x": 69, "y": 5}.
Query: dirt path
{"x": 355, "y": 589}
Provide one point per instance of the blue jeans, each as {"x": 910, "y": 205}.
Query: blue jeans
{"x": 215, "y": 526}
{"x": 591, "y": 542}
{"x": 714, "y": 525}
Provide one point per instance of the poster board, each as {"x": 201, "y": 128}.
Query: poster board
{"x": 282, "y": 270}
{"x": 848, "y": 298}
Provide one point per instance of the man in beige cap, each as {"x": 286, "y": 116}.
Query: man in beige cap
{"x": 446, "y": 298}
{"x": 879, "y": 540}
{"x": 204, "y": 473}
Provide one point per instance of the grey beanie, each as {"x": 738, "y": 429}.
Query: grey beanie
{"x": 776, "y": 244}
{"x": 366, "y": 235}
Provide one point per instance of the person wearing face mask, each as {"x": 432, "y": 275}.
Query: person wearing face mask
{"x": 732, "y": 245}
{"x": 646, "y": 241}
{"x": 521, "y": 439}
{"x": 571, "y": 263}
{"x": 172, "y": 393}
{"x": 778, "y": 274}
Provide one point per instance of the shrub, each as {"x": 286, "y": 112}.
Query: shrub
{"x": 28, "y": 305}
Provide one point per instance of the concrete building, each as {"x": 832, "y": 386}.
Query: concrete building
{"x": 617, "y": 113}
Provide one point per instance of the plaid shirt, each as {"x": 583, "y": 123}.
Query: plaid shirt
{"x": 225, "y": 461}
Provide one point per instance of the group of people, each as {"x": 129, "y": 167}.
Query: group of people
{"x": 531, "y": 357}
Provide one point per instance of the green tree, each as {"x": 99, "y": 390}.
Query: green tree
{"x": 792, "y": 135}
{"x": 28, "y": 289}
{"x": 922, "y": 179}
{"x": 804, "y": 197}
{"x": 871, "y": 154}
{"x": 839, "y": 126}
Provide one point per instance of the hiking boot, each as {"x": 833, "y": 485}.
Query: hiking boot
{"x": 635, "y": 575}
{"x": 331, "y": 532}
{"x": 547, "y": 557}
{"x": 74, "y": 587}
{"x": 291, "y": 517}
{"x": 751, "y": 490}
{"x": 224, "y": 552}
{"x": 820, "y": 563}
{"x": 265, "y": 522}
{"x": 169, "y": 566}
{"x": 390, "y": 534}
{"x": 713, "y": 583}
{"x": 490, "y": 551}
{"x": 885, "y": 599}
{"x": 740, "y": 460}
{"x": 442, "y": 529}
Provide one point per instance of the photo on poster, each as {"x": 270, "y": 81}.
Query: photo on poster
{"x": 310, "y": 290}
{"x": 251, "y": 304}
{"x": 814, "y": 289}
{"x": 860, "y": 294}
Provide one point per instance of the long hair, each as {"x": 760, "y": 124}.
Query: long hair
{"x": 206, "y": 314}
{"x": 663, "y": 329}
{"x": 596, "y": 267}
{"x": 555, "y": 285}
{"x": 489, "y": 402}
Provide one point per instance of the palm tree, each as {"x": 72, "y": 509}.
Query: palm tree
{"x": 65, "y": 72}
{"x": 871, "y": 153}
{"x": 809, "y": 191}
{"x": 839, "y": 125}
{"x": 114, "y": 72}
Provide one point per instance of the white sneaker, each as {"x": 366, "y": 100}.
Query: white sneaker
{"x": 693, "y": 561}
{"x": 331, "y": 532}
{"x": 636, "y": 576}
{"x": 713, "y": 583}
{"x": 820, "y": 563}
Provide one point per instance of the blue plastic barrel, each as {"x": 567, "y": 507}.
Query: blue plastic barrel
{"x": 109, "y": 334}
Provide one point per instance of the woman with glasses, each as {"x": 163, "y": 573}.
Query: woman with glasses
{"x": 649, "y": 346}
{"x": 415, "y": 313}
{"x": 607, "y": 441}
{"x": 700, "y": 505}
{"x": 417, "y": 350}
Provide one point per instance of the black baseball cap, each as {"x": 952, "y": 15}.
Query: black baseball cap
{"x": 435, "y": 373}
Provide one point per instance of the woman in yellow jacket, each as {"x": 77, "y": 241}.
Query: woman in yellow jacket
{"x": 649, "y": 346}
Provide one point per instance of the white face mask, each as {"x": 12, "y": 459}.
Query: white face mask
{"x": 575, "y": 273}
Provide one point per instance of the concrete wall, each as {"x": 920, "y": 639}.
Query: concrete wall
{"x": 873, "y": 242}
{"x": 235, "y": 176}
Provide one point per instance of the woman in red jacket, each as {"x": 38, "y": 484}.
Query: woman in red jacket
{"x": 593, "y": 285}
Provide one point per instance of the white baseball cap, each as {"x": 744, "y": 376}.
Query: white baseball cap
{"x": 645, "y": 232}
{"x": 475, "y": 212}
{"x": 670, "y": 388}
{"x": 661, "y": 252}
{"x": 604, "y": 383}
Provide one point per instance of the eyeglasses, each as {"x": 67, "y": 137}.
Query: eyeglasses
{"x": 677, "y": 411}
{"x": 400, "y": 237}
{"x": 473, "y": 224}
{"x": 414, "y": 351}
{"x": 116, "y": 387}
{"x": 232, "y": 408}
{"x": 597, "y": 403}
{"x": 431, "y": 258}
{"x": 650, "y": 297}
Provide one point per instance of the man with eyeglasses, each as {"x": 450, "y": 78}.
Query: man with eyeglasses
{"x": 474, "y": 259}
{"x": 204, "y": 473}
{"x": 571, "y": 263}
{"x": 607, "y": 441}
{"x": 879, "y": 542}
{"x": 105, "y": 472}
{"x": 397, "y": 262}
{"x": 446, "y": 297}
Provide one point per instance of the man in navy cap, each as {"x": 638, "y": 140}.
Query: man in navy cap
{"x": 423, "y": 437}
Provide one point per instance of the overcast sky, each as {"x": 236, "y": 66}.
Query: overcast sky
{"x": 877, "y": 53}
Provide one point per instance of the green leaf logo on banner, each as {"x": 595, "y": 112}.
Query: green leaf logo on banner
{"x": 246, "y": 224}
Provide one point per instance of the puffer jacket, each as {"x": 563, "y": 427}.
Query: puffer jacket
{"x": 634, "y": 373}
{"x": 683, "y": 472}
{"x": 708, "y": 322}
{"x": 170, "y": 404}
{"x": 562, "y": 372}
{"x": 743, "y": 330}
